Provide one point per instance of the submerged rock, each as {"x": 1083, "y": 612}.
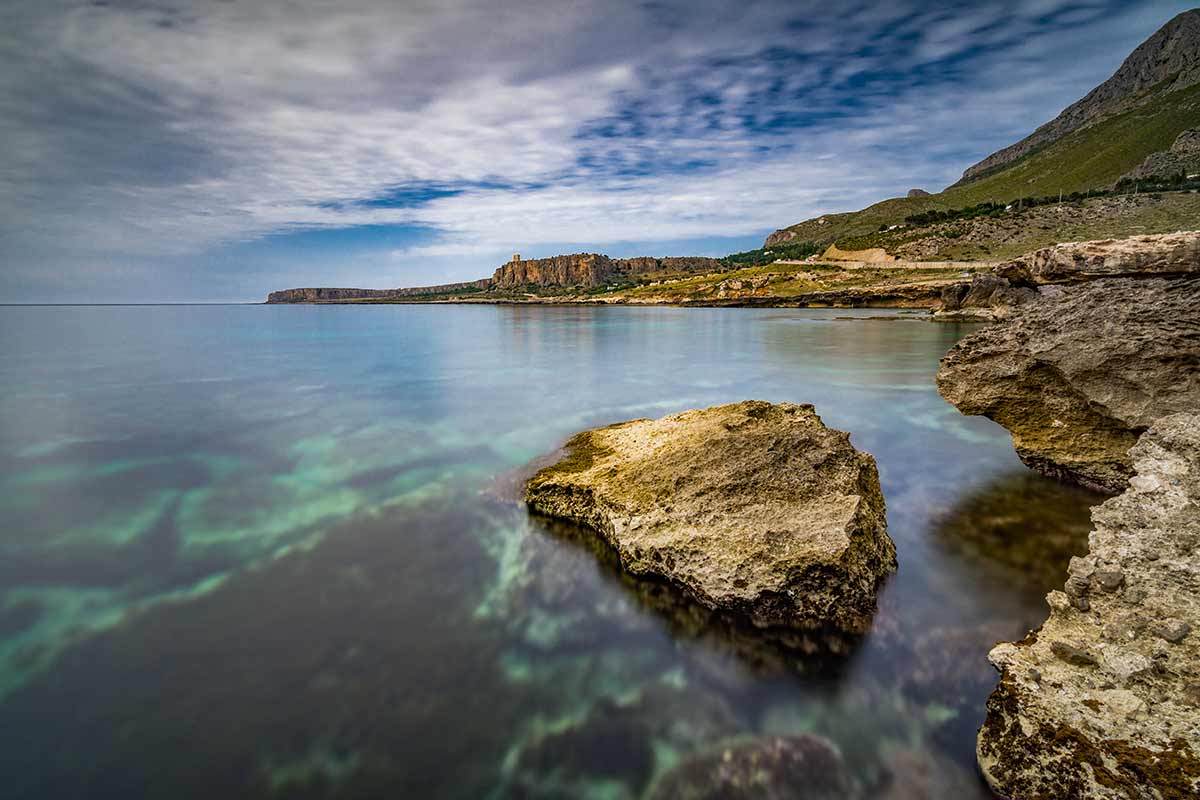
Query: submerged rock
{"x": 1077, "y": 377}
{"x": 614, "y": 749}
{"x": 770, "y": 768}
{"x": 752, "y": 508}
{"x": 1104, "y": 701}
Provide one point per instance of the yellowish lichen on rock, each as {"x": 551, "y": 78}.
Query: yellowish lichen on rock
{"x": 1104, "y": 702}
{"x": 751, "y": 507}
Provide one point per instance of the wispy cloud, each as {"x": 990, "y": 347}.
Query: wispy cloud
{"x": 157, "y": 132}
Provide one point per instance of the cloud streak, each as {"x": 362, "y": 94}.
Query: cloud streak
{"x": 158, "y": 133}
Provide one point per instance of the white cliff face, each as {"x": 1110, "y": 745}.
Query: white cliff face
{"x": 1104, "y": 700}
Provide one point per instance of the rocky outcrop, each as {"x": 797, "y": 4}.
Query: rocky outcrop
{"x": 917, "y": 193}
{"x": 769, "y": 768}
{"x": 1155, "y": 255}
{"x": 1103, "y": 701}
{"x": 751, "y": 508}
{"x": 591, "y": 269}
{"x": 579, "y": 269}
{"x": 1183, "y": 158}
{"x": 987, "y": 297}
{"x": 996, "y": 294}
{"x": 1166, "y": 62}
{"x": 1077, "y": 376}
{"x": 332, "y": 295}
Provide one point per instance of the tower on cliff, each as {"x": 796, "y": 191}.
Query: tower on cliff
{"x": 516, "y": 258}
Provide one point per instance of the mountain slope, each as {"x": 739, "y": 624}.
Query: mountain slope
{"x": 1138, "y": 112}
{"x": 1166, "y": 62}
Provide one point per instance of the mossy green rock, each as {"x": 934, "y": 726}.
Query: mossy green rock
{"x": 1104, "y": 700}
{"x": 752, "y": 508}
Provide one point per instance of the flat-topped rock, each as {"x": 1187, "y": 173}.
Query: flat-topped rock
{"x": 1104, "y": 700}
{"x": 1163, "y": 254}
{"x": 1079, "y": 374}
{"x": 753, "y": 508}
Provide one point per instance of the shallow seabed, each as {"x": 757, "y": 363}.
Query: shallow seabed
{"x": 260, "y": 550}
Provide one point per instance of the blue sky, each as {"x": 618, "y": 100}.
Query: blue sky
{"x": 159, "y": 150}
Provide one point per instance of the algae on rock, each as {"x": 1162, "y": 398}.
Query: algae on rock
{"x": 1104, "y": 700}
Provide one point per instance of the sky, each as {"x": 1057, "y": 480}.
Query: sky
{"x": 168, "y": 150}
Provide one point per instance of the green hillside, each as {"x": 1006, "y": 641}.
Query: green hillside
{"x": 1091, "y": 158}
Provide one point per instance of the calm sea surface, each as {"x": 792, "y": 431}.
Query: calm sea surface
{"x": 274, "y": 551}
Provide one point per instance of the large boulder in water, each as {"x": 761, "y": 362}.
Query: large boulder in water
{"x": 801, "y": 767}
{"x": 1077, "y": 376}
{"x": 1104, "y": 700}
{"x": 752, "y": 508}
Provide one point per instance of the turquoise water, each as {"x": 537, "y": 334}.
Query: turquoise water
{"x": 275, "y": 551}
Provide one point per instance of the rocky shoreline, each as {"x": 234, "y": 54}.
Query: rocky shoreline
{"x": 1080, "y": 367}
{"x": 1092, "y": 362}
{"x": 1103, "y": 700}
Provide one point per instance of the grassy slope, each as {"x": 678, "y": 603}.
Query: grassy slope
{"x": 1090, "y": 158}
{"x": 1017, "y": 233}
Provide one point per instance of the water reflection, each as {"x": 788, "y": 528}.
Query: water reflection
{"x": 243, "y": 551}
{"x": 819, "y": 652}
{"x": 1019, "y": 527}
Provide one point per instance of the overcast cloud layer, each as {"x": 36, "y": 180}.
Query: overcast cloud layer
{"x": 171, "y": 150}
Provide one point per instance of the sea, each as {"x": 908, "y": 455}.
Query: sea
{"x": 279, "y": 551}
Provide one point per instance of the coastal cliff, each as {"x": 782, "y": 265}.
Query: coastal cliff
{"x": 590, "y": 270}
{"x": 578, "y": 270}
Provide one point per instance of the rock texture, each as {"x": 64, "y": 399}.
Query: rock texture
{"x": 1104, "y": 700}
{"x": 751, "y": 508}
{"x": 588, "y": 270}
{"x": 987, "y": 297}
{"x": 801, "y": 767}
{"x": 591, "y": 269}
{"x": 1077, "y": 376}
{"x": 1166, "y": 62}
{"x": 1183, "y": 157}
{"x": 996, "y": 294}
{"x": 1155, "y": 255}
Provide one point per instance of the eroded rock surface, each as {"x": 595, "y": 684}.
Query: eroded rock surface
{"x": 752, "y": 508}
{"x": 1163, "y": 254}
{"x": 1104, "y": 700}
{"x": 1077, "y": 376}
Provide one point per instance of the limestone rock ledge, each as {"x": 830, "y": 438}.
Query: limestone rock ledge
{"x": 751, "y": 508}
{"x": 1104, "y": 700}
{"x": 1078, "y": 375}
